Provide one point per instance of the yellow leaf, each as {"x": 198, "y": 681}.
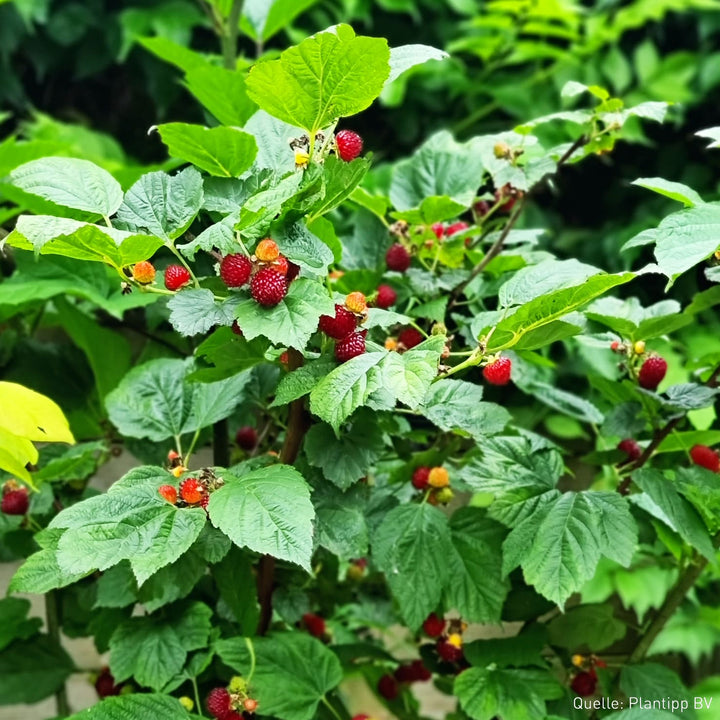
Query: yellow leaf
{"x": 28, "y": 414}
{"x": 15, "y": 453}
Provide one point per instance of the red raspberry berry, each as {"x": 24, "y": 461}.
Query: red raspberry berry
{"x": 293, "y": 271}
{"x": 143, "y": 272}
{"x": 267, "y": 250}
{"x": 218, "y": 703}
{"x": 233, "y": 715}
{"x": 236, "y": 328}
{"x": 438, "y": 229}
{"x": 169, "y": 493}
{"x": 410, "y": 337}
{"x": 205, "y": 502}
{"x": 268, "y": 287}
{"x": 433, "y": 626}
{"x": 191, "y": 491}
{"x": 397, "y": 258}
{"x": 282, "y": 265}
{"x": 584, "y": 683}
{"x": 250, "y": 704}
{"x": 481, "y": 208}
{"x": 105, "y": 684}
{"x": 315, "y": 624}
{"x": 387, "y": 687}
{"x": 386, "y": 297}
{"x": 349, "y": 145}
{"x": 615, "y": 345}
{"x": 448, "y": 652}
{"x": 339, "y": 326}
{"x": 176, "y": 276}
{"x": 235, "y": 270}
{"x": 630, "y": 448}
{"x": 455, "y": 228}
{"x": 15, "y": 502}
{"x": 420, "y": 480}
{"x": 420, "y": 672}
{"x": 350, "y": 346}
{"x": 498, "y": 372}
{"x": 246, "y": 437}
{"x": 652, "y": 372}
{"x": 705, "y": 457}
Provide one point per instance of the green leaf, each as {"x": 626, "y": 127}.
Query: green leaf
{"x": 347, "y": 459}
{"x": 485, "y": 693}
{"x": 220, "y": 151}
{"x": 231, "y": 575}
{"x": 156, "y": 401}
{"x": 222, "y": 93}
{"x": 116, "y": 587}
{"x": 125, "y": 707}
{"x": 651, "y": 680}
{"x": 592, "y": 627}
{"x": 153, "y": 651}
{"x": 518, "y": 651}
{"x": 700, "y": 487}
{"x": 476, "y": 589}
{"x": 163, "y": 205}
{"x": 408, "y": 56}
{"x": 299, "y": 244}
{"x": 690, "y": 396}
{"x": 300, "y": 382}
{"x": 341, "y": 526}
{"x": 268, "y": 511}
{"x": 129, "y": 522}
{"x": 411, "y": 547}
{"x": 293, "y": 671}
{"x": 14, "y": 624}
{"x": 229, "y": 354}
{"x": 408, "y": 376}
{"x": 273, "y": 140}
{"x": 262, "y": 19}
{"x": 193, "y": 311}
{"x": 31, "y": 670}
{"x": 341, "y": 178}
{"x": 173, "y": 582}
{"x": 328, "y": 76}
{"x": 291, "y": 322}
{"x": 70, "y": 182}
{"x": 673, "y": 190}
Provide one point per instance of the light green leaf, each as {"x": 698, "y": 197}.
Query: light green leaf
{"x": 125, "y": 707}
{"x": 194, "y": 311}
{"x": 299, "y": 244}
{"x": 221, "y": 92}
{"x": 300, "y": 382}
{"x": 220, "y": 151}
{"x": 408, "y": 376}
{"x": 592, "y": 626}
{"x": 673, "y": 190}
{"x": 328, "y": 76}
{"x": 273, "y": 138}
{"x": 70, "y": 182}
{"x": 264, "y": 18}
{"x": 407, "y": 56}
{"x": 268, "y": 511}
{"x": 652, "y": 680}
{"x": 341, "y": 178}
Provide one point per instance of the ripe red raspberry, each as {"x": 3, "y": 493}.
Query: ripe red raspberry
{"x": 314, "y": 624}
{"x": 652, "y": 372}
{"x": 169, "y": 493}
{"x": 584, "y": 683}
{"x": 386, "y": 297}
{"x": 281, "y": 265}
{"x": 420, "y": 480}
{"x": 410, "y": 337}
{"x": 15, "y": 502}
{"x": 448, "y": 652}
{"x": 143, "y": 272}
{"x": 457, "y": 227}
{"x": 293, "y": 271}
{"x": 510, "y": 195}
{"x": 339, "y": 326}
{"x": 630, "y": 448}
{"x": 205, "y": 501}
{"x": 191, "y": 491}
{"x": 438, "y": 229}
{"x": 498, "y": 372}
{"x": 705, "y": 457}
{"x": 176, "y": 276}
{"x": 350, "y": 346}
{"x": 250, "y": 704}
{"x": 349, "y": 145}
{"x": 413, "y": 672}
{"x": 218, "y": 703}
{"x": 434, "y": 626}
{"x": 268, "y": 287}
{"x": 267, "y": 251}
{"x": 235, "y": 270}
{"x": 105, "y": 684}
{"x": 481, "y": 208}
{"x": 397, "y": 258}
{"x": 246, "y": 437}
{"x": 236, "y": 328}
{"x": 387, "y": 687}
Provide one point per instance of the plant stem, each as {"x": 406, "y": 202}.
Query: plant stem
{"x": 329, "y": 706}
{"x": 229, "y": 37}
{"x": 221, "y": 444}
{"x": 52, "y": 613}
{"x": 251, "y": 650}
{"x": 197, "y": 697}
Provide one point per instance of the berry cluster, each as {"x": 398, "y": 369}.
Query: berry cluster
{"x": 232, "y": 702}
{"x": 389, "y": 686}
{"x": 652, "y": 368}
{"x": 194, "y": 491}
{"x": 436, "y": 480}
{"x": 15, "y": 499}
{"x": 406, "y": 339}
{"x": 342, "y": 326}
{"x": 584, "y": 683}
{"x": 445, "y": 231}
{"x": 448, "y": 637}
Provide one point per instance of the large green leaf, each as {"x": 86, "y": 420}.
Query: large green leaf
{"x": 267, "y": 510}
{"x": 221, "y": 151}
{"x": 14, "y": 624}
{"x": 132, "y": 707}
{"x": 293, "y": 671}
{"x": 328, "y": 76}
{"x": 70, "y": 182}
{"x": 412, "y": 547}
{"x": 156, "y": 401}
{"x": 408, "y": 376}
{"x": 408, "y": 56}
{"x": 129, "y": 522}
{"x": 194, "y": 311}
{"x": 651, "y": 680}
{"x": 341, "y": 178}
{"x": 264, "y": 18}
{"x": 587, "y": 626}
{"x": 222, "y": 92}
{"x": 299, "y": 244}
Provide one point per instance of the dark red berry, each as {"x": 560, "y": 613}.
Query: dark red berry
{"x": 246, "y": 437}
{"x": 455, "y": 228}
{"x": 176, "y": 276}
{"x": 349, "y": 145}
{"x": 236, "y": 328}
{"x": 268, "y": 287}
{"x": 386, "y": 297}
{"x": 498, "y": 372}
{"x": 481, "y": 208}
{"x": 293, "y": 271}
{"x": 652, "y": 372}
{"x": 235, "y": 270}
{"x": 315, "y": 624}
{"x": 448, "y": 652}
{"x": 414, "y": 672}
{"x": 705, "y": 457}
{"x": 410, "y": 337}
{"x": 15, "y": 502}
{"x": 218, "y": 703}
{"x": 630, "y": 448}
{"x": 105, "y": 684}
{"x": 584, "y": 683}
{"x": 397, "y": 258}
{"x": 420, "y": 482}
{"x": 339, "y": 326}
{"x": 350, "y": 346}
{"x": 387, "y": 687}
{"x": 434, "y": 626}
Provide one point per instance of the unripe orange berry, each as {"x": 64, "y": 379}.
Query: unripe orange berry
{"x": 356, "y": 302}
{"x": 267, "y": 251}
{"x": 169, "y": 493}
{"x": 438, "y": 477}
{"x": 391, "y": 344}
{"x": 143, "y": 272}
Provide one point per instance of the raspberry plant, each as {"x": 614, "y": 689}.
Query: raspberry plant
{"x": 379, "y": 344}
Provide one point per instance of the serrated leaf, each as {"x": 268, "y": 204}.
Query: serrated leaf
{"x": 221, "y": 92}
{"x": 268, "y": 511}
{"x": 652, "y": 680}
{"x": 521, "y": 650}
{"x": 194, "y": 311}
{"x": 673, "y": 190}
{"x": 131, "y": 707}
{"x": 300, "y": 382}
{"x": 341, "y": 178}
{"x": 408, "y": 376}
{"x": 14, "y": 624}
{"x": 586, "y": 627}
{"x": 299, "y": 244}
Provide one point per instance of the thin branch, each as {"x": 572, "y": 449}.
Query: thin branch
{"x": 229, "y": 38}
